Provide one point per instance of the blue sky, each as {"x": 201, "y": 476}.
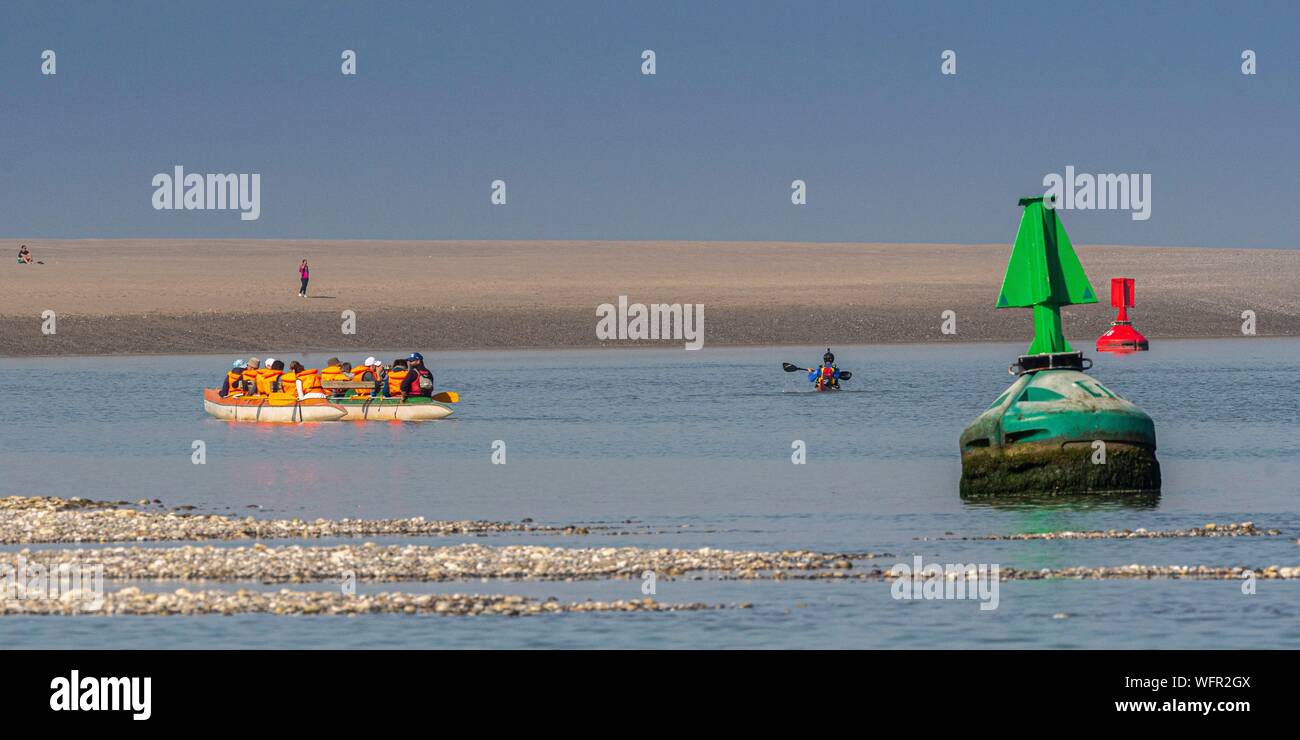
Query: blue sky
{"x": 548, "y": 96}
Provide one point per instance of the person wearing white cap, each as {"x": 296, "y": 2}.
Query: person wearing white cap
{"x": 369, "y": 370}
{"x": 268, "y": 378}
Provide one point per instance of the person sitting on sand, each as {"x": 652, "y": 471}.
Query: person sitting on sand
{"x": 24, "y": 256}
{"x": 418, "y": 380}
{"x": 233, "y": 386}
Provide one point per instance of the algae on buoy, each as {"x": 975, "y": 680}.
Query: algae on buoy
{"x": 1056, "y": 430}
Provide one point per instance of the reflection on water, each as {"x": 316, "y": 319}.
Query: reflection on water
{"x": 1135, "y": 501}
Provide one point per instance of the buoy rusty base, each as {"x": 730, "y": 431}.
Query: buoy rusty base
{"x": 1058, "y": 431}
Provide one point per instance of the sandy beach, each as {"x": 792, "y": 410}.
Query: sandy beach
{"x": 177, "y": 296}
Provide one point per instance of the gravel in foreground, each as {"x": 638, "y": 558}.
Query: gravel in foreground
{"x": 371, "y": 562}
{"x": 133, "y": 601}
{"x": 41, "y": 519}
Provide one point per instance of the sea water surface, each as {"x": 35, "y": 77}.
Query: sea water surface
{"x": 675, "y": 448}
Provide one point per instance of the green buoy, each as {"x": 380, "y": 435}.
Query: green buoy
{"x": 1056, "y": 430}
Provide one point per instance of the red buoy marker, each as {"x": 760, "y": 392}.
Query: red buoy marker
{"x": 1121, "y": 337}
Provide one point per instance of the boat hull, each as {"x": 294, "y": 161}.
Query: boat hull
{"x": 269, "y": 411}
{"x": 392, "y": 409}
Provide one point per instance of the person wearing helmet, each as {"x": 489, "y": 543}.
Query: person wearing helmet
{"x": 233, "y": 385}
{"x": 418, "y": 380}
{"x": 826, "y": 377}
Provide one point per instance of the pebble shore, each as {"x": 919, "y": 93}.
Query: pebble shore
{"x": 371, "y": 562}
{"x": 133, "y": 601}
{"x": 34, "y": 520}
{"x": 1077, "y": 573}
{"x": 1232, "y": 529}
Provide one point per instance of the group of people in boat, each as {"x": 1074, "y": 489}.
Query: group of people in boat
{"x": 402, "y": 378}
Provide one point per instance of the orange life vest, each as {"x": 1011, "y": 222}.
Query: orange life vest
{"x": 310, "y": 381}
{"x": 360, "y": 375}
{"x": 395, "y": 378}
{"x": 266, "y": 380}
{"x": 250, "y": 380}
{"x": 333, "y": 372}
{"x": 287, "y": 379}
{"x": 233, "y": 379}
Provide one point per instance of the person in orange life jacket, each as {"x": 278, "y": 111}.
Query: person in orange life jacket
{"x": 249, "y": 380}
{"x": 345, "y": 373}
{"x": 394, "y": 377}
{"x": 333, "y": 370}
{"x": 289, "y": 378}
{"x": 418, "y": 380}
{"x": 268, "y": 378}
{"x": 232, "y": 387}
{"x": 302, "y": 382}
{"x": 369, "y": 370}
{"x": 827, "y": 376}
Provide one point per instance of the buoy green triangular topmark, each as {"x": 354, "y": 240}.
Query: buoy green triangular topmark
{"x": 1044, "y": 273}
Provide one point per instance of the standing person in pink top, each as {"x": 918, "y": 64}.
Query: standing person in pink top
{"x": 305, "y": 274}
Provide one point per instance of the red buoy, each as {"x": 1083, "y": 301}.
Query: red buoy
{"x": 1121, "y": 337}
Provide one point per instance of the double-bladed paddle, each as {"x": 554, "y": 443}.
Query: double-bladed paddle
{"x": 791, "y": 368}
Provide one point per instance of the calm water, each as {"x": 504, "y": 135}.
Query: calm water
{"x": 694, "y": 448}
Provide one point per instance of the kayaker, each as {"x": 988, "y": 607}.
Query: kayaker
{"x": 249, "y": 381}
{"x": 233, "y": 386}
{"x": 827, "y": 376}
{"x": 394, "y": 378}
{"x": 418, "y": 380}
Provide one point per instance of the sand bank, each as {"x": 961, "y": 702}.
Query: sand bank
{"x": 175, "y": 296}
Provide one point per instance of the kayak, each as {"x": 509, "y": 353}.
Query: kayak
{"x": 372, "y": 409}
{"x": 276, "y": 409}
